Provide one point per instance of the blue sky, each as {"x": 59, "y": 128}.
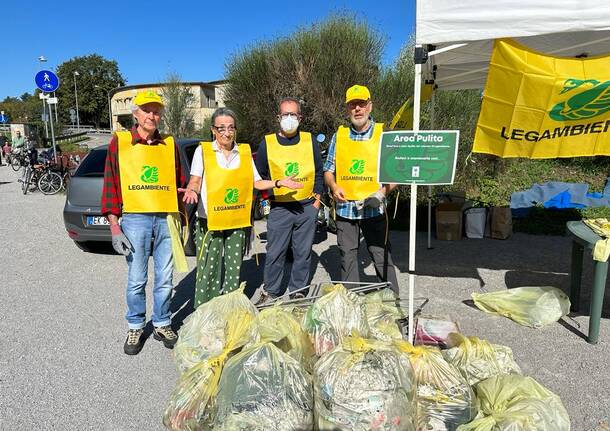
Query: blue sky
{"x": 151, "y": 38}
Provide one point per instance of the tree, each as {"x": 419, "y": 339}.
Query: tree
{"x": 97, "y": 76}
{"x": 314, "y": 64}
{"x": 178, "y": 118}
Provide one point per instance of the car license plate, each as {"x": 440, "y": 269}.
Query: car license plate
{"x": 97, "y": 220}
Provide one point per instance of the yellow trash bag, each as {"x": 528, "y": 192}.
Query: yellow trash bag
{"x": 444, "y": 398}
{"x": 364, "y": 385}
{"x": 335, "y": 316}
{"x": 205, "y": 332}
{"x": 382, "y": 314}
{"x": 264, "y": 389}
{"x": 478, "y": 359}
{"x": 533, "y": 306}
{"x": 277, "y": 325}
{"x": 191, "y": 404}
{"x": 517, "y": 403}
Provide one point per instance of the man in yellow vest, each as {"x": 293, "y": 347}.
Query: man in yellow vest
{"x": 350, "y": 172}
{"x": 141, "y": 180}
{"x": 292, "y": 218}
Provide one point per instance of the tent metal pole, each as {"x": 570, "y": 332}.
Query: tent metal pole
{"x": 433, "y": 127}
{"x": 413, "y": 206}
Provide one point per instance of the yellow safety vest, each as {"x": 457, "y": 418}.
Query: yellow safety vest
{"x": 288, "y": 160}
{"x": 148, "y": 175}
{"x": 229, "y": 191}
{"x": 356, "y": 163}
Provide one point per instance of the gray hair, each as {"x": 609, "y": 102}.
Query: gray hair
{"x": 224, "y": 112}
{"x": 292, "y": 100}
{"x": 135, "y": 107}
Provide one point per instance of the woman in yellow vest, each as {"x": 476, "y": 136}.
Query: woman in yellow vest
{"x": 224, "y": 175}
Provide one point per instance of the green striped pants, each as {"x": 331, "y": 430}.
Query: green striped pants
{"x": 214, "y": 247}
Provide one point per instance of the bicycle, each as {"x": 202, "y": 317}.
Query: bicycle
{"x": 18, "y": 160}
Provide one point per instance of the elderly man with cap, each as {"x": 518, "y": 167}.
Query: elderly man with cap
{"x": 350, "y": 172}
{"x": 142, "y": 177}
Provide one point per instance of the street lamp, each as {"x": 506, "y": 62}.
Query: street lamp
{"x": 76, "y": 99}
{"x": 109, "y": 106}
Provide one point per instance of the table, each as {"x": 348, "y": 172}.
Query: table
{"x": 583, "y": 237}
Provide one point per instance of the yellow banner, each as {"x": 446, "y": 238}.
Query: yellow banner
{"x": 403, "y": 119}
{"x": 542, "y": 107}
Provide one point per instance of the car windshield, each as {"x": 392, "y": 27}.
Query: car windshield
{"x": 92, "y": 165}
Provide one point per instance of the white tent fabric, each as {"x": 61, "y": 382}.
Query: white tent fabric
{"x": 463, "y": 34}
{"x": 442, "y": 21}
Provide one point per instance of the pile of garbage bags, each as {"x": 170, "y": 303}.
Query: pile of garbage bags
{"x": 341, "y": 364}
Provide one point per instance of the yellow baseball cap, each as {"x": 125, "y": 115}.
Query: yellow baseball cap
{"x": 148, "y": 96}
{"x": 357, "y": 92}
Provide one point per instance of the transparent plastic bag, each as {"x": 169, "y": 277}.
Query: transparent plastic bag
{"x": 264, "y": 389}
{"x": 364, "y": 385}
{"x": 517, "y": 403}
{"x": 382, "y": 314}
{"x": 204, "y": 332}
{"x": 478, "y": 359}
{"x": 533, "y": 306}
{"x": 434, "y": 331}
{"x": 190, "y": 405}
{"x": 279, "y": 326}
{"x": 335, "y": 316}
{"x": 444, "y": 398}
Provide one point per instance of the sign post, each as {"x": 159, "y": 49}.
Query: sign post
{"x": 417, "y": 158}
{"x": 48, "y": 82}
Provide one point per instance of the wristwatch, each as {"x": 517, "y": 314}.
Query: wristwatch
{"x": 277, "y": 184}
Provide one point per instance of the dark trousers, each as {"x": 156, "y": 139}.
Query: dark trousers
{"x": 374, "y": 232}
{"x": 289, "y": 224}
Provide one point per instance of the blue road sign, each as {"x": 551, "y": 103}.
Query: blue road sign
{"x": 47, "y": 81}
{"x": 3, "y": 118}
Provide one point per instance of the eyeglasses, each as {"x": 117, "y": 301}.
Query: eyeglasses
{"x": 358, "y": 103}
{"x": 289, "y": 115}
{"x": 223, "y": 129}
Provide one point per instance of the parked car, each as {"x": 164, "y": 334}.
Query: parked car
{"x": 82, "y": 211}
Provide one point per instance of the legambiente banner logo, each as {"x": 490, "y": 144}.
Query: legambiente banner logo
{"x": 292, "y": 168}
{"x": 150, "y": 174}
{"x": 357, "y": 167}
{"x": 588, "y": 98}
{"x": 231, "y": 196}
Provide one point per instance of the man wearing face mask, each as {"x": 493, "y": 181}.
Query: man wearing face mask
{"x": 291, "y": 221}
{"x": 350, "y": 172}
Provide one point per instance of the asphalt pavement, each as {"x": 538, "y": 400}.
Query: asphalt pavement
{"x": 61, "y": 315}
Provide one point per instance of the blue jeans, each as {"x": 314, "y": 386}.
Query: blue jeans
{"x": 146, "y": 232}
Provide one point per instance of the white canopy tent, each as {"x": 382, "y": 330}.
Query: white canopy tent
{"x": 454, "y": 40}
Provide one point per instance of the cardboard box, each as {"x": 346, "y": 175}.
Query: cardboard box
{"x": 449, "y": 221}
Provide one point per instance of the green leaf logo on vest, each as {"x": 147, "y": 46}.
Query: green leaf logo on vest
{"x": 357, "y": 167}
{"x": 150, "y": 174}
{"x": 292, "y": 168}
{"x": 231, "y": 196}
{"x": 592, "y": 100}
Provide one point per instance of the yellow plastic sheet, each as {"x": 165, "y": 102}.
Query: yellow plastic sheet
{"x": 191, "y": 404}
{"x": 335, "y": 316}
{"x": 364, "y": 385}
{"x": 382, "y": 314}
{"x": 206, "y": 331}
{"x": 478, "y": 359}
{"x": 517, "y": 403}
{"x": 264, "y": 389}
{"x": 533, "y": 306}
{"x": 600, "y": 226}
{"x": 173, "y": 225}
{"x": 279, "y": 326}
{"x": 444, "y": 398}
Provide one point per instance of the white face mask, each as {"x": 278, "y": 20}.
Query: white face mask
{"x": 289, "y": 125}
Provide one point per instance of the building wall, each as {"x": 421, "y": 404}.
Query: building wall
{"x": 207, "y": 98}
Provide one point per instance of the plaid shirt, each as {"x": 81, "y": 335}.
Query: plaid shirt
{"x": 112, "y": 202}
{"x": 349, "y": 209}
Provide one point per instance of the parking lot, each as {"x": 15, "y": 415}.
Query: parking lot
{"x": 61, "y": 316}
